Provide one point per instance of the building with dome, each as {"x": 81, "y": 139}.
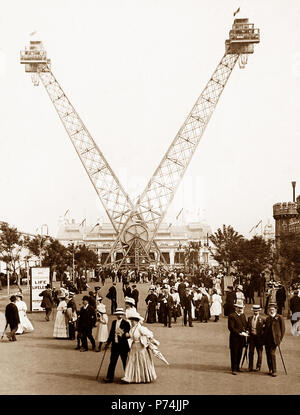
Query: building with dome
{"x": 171, "y": 239}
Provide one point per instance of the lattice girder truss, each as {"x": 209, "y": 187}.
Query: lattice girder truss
{"x": 114, "y": 199}
{"x": 152, "y": 205}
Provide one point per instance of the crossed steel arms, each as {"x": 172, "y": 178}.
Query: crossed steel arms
{"x": 153, "y": 203}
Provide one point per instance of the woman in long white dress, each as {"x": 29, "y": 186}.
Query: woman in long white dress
{"x": 25, "y": 325}
{"x": 102, "y": 328}
{"x": 216, "y": 305}
{"x": 61, "y": 330}
{"x": 139, "y": 367}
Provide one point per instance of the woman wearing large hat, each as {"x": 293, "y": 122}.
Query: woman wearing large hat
{"x": 102, "y": 329}
{"x": 139, "y": 366}
{"x": 61, "y": 329}
{"x": 25, "y": 325}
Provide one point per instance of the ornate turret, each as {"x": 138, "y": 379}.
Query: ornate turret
{"x": 286, "y": 217}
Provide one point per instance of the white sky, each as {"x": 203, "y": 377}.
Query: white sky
{"x": 133, "y": 70}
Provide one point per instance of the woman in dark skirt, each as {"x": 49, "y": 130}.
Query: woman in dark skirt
{"x": 204, "y": 307}
{"x": 151, "y": 301}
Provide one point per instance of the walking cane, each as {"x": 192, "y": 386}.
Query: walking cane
{"x": 282, "y": 360}
{"x": 245, "y": 352}
{"x": 4, "y": 331}
{"x": 101, "y": 364}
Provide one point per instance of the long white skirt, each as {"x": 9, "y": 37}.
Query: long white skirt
{"x": 61, "y": 329}
{"x": 102, "y": 331}
{"x": 25, "y": 325}
{"x": 139, "y": 366}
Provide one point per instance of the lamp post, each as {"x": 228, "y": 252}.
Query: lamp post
{"x": 294, "y": 187}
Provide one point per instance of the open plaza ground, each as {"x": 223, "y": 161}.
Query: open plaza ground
{"x": 38, "y": 364}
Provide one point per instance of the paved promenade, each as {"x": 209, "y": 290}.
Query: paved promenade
{"x": 199, "y": 361}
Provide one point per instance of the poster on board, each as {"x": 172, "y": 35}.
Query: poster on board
{"x": 40, "y": 277}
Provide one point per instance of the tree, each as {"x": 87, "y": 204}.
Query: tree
{"x": 288, "y": 264}
{"x": 226, "y": 242}
{"x": 11, "y": 245}
{"x": 37, "y": 246}
{"x": 191, "y": 255}
{"x": 255, "y": 255}
{"x": 85, "y": 258}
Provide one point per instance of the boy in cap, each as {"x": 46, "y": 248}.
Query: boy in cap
{"x": 255, "y": 340}
{"x": 119, "y": 344}
{"x": 237, "y": 326}
{"x": 273, "y": 335}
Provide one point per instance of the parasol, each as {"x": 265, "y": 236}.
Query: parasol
{"x": 157, "y": 353}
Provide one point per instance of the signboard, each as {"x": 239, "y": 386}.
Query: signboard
{"x": 40, "y": 277}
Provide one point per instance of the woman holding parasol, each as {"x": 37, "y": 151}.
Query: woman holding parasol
{"x": 140, "y": 366}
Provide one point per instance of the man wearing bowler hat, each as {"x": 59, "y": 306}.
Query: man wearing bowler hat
{"x": 273, "y": 335}
{"x": 119, "y": 344}
{"x": 12, "y": 318}
{"x": 255, "y": 340}
{"x": 237, "y": 326}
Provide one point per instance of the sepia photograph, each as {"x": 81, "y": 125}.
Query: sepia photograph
{"x": 150, "y": 212}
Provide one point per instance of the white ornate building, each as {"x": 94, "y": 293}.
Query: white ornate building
{"x": 170, "y": 238}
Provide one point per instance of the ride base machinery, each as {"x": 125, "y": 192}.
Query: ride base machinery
{"x": 136, "y": 224}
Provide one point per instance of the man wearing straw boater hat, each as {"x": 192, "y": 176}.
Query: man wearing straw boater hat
{"x": 255, "y": 340}
{"x": 273, "y": 335}
{"x": 119, "y": 344}
{"x": 237, "y": 326}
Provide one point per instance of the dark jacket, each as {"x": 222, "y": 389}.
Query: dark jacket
{"x": 12, "y": 315}
{"x": 112, "y": 293}
{"x": 236, "y": 324}
{"x": 92, "y": 302}
{"x": 260, "y": 325}
{"x": 122, "y": 340}
{"x": 230, "y": 300}
{"x": 127, "y": 292}
{"x": 186, "y": 301}
{"x": 47, "y": 301}
{"x": 274, "y": 330}
{"x": 135, "y": 295}
{"x": 280, "y": 296}
{"x": 167, "y": 302}
{"x": 87, "y": 318}
{"x": 295, "y": 304}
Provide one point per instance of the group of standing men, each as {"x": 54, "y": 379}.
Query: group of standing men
{"x": 254, "y": 333}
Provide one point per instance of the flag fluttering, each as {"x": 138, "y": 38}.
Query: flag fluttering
{"x": 236, "y": 12}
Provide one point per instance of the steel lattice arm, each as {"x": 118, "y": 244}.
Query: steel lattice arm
{"x": 160, "y": 190}
{"x": 113, "y": 197}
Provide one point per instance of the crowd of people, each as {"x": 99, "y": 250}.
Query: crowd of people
{"x": 171, "y": 295}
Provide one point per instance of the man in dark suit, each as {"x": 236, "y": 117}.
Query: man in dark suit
{"x": 112, "y": 296}
{"x": 12, "y": 318}
{"x": 86, "y": 322}
{"x": 72, "y": 315}
{"x": 295, "y": 306}
{"x": 255, "y": 328}
{"x": 186, "y": 304}
{"x": 230, "y": 301}
{"x": 47, "y": 302}
{"x": 135, "y": 295}
{"x": 119, "y": 343}
{"x": 127, "y": 290}
{"x": 273, "y": 335}
{"x": 237, "y": 326}
{"x": 280, "y": 298}
{"x": 181, "y": 289}
{"x": 166, "y": 305}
